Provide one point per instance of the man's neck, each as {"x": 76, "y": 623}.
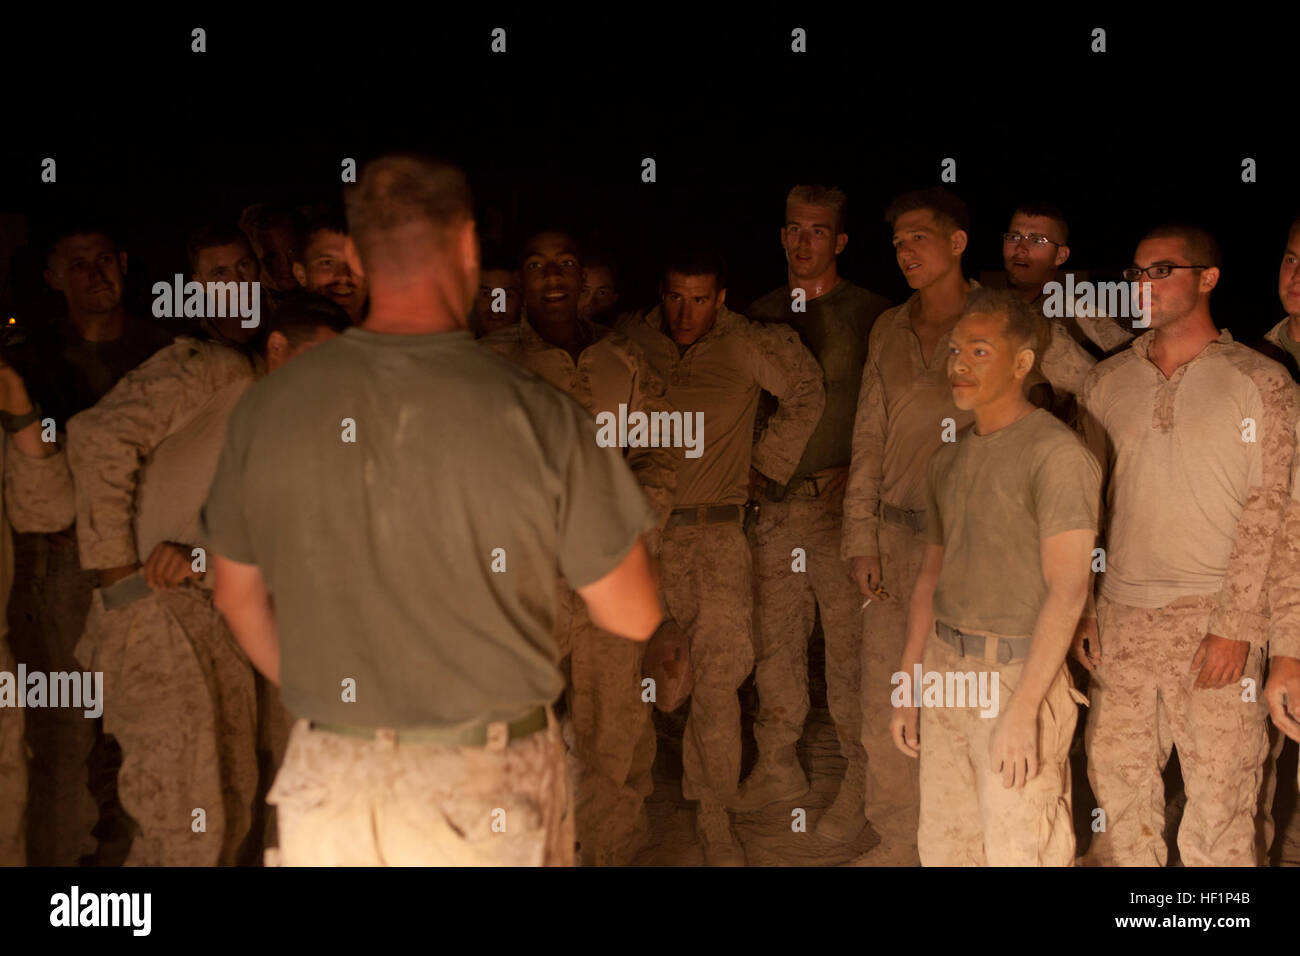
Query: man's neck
{"x": 942, "y": 300}
{"x": 1293, "y": 327}
{"x": 999, "y": 414}
{"x": 99, "y": 326}
{"x": 565, "y": 333}
{"x": 1179, "y": 342}
{"x": 1028, "y": 292}
{"x": 818, "y": 285}
{"x": 414, "y": 310}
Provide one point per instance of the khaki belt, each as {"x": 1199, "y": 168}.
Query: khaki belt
{"x": 914, "y": 521}
{"x": 705, "y": 514}
{"x": 474, "y": 735}
{"x": 1001, "y": 650}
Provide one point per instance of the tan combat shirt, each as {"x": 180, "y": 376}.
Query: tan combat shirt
{"x": 1198, "y": 470}
{"x": 721, "y": 375}
{"x": 611, "y": 371}
{"x": 130, "y": 486}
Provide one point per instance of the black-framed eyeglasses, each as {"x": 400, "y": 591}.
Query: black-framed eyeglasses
{"x": 1160, "y": 270}
{"x": 1034, "y": 239}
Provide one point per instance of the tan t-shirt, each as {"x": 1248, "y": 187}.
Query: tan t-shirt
{"x": 992, "y": 500}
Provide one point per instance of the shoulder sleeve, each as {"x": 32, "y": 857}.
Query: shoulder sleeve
{"x": 223, "y": 522}
{"x": 38, "y": 493}
{"x": 1066, "y": 487}
{"x": 784, "y": 367}
{"x": 933, "y": 515}
{"x": 603, "y": 510}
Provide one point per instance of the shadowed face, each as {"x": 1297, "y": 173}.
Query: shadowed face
{"x": 1030, "y": 265}
{"x": 489, "y": 281}
{"x": 810, "y": 240}
{"x": 325, "y": 269}
{"x": 691, "y": 305}
{"x": 924, "y": 249}
{"x": 89, "y": 271}
{"x": 1288, "y": 279}
{"x": 552, "y": 277}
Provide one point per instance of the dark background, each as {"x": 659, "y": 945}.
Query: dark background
{"x": 163, "y": 139}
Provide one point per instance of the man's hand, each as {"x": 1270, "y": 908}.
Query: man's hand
{"x": 1220, "y": 661}
{"x": 757, "y": 483}
{"x": 905, "y": 728}
{"x": 1086, "y": 630}
{"x": 112, "y": 575}
{"x": 1013, "y": 747}
{"x": 1283, "y": 694}
{"x": 168, "y": 566}
{"x": 865, "y": 573}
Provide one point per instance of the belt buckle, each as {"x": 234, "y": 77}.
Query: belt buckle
{"x": 1004, "y": 651}
{"x": 498, "y": 735}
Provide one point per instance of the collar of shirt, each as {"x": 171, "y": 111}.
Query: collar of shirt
{"x": 531, "y": 340}
{"x": 1142, "y": 345}
{"x": 722, "y": 325}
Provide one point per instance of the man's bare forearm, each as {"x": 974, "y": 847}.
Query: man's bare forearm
{"x": 1053, "y": 634}
{"x": 253, "y": 624}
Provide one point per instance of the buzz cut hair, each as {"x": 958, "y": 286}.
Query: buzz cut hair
{"x": 697, "y": 259}
{"x": 399, "y": 189}
{"x": 1045, "y": 210}
{"x": 832, "y": 197}
{"x": 266, "y": 215}
{"x": 1295, "y": 224}
{"x": 214, "y": 234}
{"x": 1198, "y": 243}
{"x": 313, "y": 218}
{"x": 549, "y": 228}
{"x": 298, "y": 316}
{"x": 1025, "y": 327}
{"x": 947, "y": 208}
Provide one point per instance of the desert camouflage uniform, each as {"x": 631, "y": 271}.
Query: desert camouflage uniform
{"x": 706, "y": 568}
{"x": 179, "y": 692}
{"x": 37, "y": 497}
{"x": 806, "y": 515}
{"x": 1158, "y": 597}
{"x": 614, "y": 737}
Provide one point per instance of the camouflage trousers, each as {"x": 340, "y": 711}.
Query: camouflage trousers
{"x": 786, "y": 603}
{"x": 968, "y": 817}
{"x": 706, "y": 575}
{"x": 13, "y": 776}
{"x": 1143, "y": 704}
{"x": 349, "y": 801}
{"x": 613, "y": 734}
{"x": 47, "y": 615}
{"x": 180, "y": 699}
{"x": 1266, "y": 825}
{"x": 893, "y": 788}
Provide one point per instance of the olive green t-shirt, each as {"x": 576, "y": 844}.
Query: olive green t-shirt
{"x": 419, "y": 560}
{"x": 992, "y": 500}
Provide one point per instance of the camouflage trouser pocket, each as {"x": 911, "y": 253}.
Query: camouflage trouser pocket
{"x": 301, "y": 785}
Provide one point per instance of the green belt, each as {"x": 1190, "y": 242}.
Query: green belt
{"x": 474, "y": 735}
{"x": 972, "y": 645}
{"x": 705, "y": 514}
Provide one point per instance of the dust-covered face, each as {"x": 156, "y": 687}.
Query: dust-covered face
{"x": 984, "y": 364}
{"x": 924, "y": 249}
{"x": 325, "y": 270}
{"x": 1177, "y": 294}
{"x": 89, "y": 271}
{"x": 1288, "y": 280}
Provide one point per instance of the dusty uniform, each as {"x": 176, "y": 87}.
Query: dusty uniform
{"x": 1098, "y": 334}
{"x": 904, "y": 409}
{"x": 614, "y": 736}
{"x": 1198, "y": 470}
{"x": 705, "y": 560}
{"x": 1064, "y": 363}
{"x": 423, "y": 668}
{"x": 51, "y": 594}
{"x": 179, "y": 692}
{"x": 1279, "y": 346}
{"x": 37, "y": 497}
{"x": 993, "y": 499}
{"x": 803, "y": 514}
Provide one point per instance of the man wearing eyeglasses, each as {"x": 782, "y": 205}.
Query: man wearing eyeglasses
{"x": 1196, "y": 434}
{"x": 1034, "y": 247}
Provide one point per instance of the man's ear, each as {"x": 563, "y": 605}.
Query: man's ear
{"x": 121, "y": 262}
{"x": 277, "y": 349}
{"x": 841, "y": 241}
{"x": 1025, "y": 359}
{"x": 469, "y": 247}
{"x": 53, "y": 280}
{"x": 959, "y": 240}
{"x": 1062, "y": 253}
{"x": 300, "y": 274}
{"x": 1209, "y": 279}
{"x": 722, "y": 297}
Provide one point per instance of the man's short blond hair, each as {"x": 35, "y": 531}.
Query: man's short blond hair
{"x": 832, "y": 197}
{"x": 403, "y": 188}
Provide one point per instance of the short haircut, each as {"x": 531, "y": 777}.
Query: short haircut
{"x": 1025, "y": 327}
{"x": 298, "y": 315}
{"x": 77, "y": 227}
{"x": 314, "y": 218}
{"x": 697, "y": 259}
{"x": 266, "y": 215}
{"x": 1199, "y": 245}
{"x": 948, "y": 209}
{"x": 213, "y": 234}
{"x": 495, "y": 258}
{"x": 1295, "y": 224}
{"x": 601, "y": 259}
{"x": 1045, "y": 210}
{"x": 402, "y": 188}
{"x": 554, "y": 228}
{"x": 830, "y": 196}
